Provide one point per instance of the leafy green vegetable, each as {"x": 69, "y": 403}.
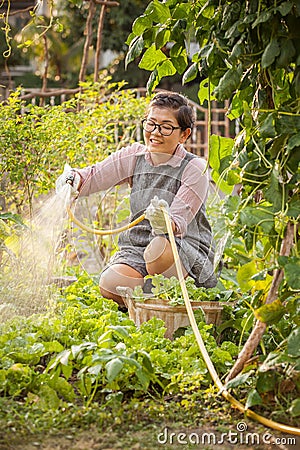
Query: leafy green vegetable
{"x": 170, "y": 289}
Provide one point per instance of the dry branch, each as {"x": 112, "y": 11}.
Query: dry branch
{"x": 260, "y": 327}
{"x": 20, "y": 11}
{"x": 99, "y": 41}
{"x": 88, "y": 40}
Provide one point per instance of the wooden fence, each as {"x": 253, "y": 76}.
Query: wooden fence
{"x": 197, "y": 143}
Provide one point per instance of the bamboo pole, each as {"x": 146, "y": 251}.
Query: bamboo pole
{"x": 260, "y": 327}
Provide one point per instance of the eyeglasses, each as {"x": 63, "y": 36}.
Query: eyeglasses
{"x": 165, "y": 129}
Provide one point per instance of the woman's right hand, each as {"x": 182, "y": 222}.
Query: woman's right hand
{"x": 69, "y": 176}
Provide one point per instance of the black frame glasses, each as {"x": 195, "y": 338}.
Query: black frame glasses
{"x": 149, "y": 126}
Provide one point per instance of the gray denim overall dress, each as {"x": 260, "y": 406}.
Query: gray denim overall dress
{"x": 196, "y": 248}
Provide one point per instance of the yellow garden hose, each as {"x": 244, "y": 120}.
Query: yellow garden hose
{"x": 267, "y": 422}
{"x": 248, "y": 412}
{"x": 103, "y": 232}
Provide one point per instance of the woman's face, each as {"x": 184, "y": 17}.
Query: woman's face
{"x": 155, "y": 141}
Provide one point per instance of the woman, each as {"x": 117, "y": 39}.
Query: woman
{"x": 161, "y": 173}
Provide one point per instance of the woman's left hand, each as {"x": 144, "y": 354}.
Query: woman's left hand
{"x": 154, "y": 213}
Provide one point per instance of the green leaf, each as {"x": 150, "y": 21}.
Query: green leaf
{"x": 239, "y": 380}
{"x": 53, "y": 347}
{"x": 177, "y": 49}
{"x": 67, "y": 371}
{"x": 288, "y": 124}
{"x": 122, "y": 214}
{"x": 267, "y": 129}
{"x": 113, "y": 368}
{"x": 271, "y": 51}
{"x": 152, "y": 58}
{"x": 162, "y": 37}
{"x": 147, "y": 365}
{"x": 285, "y": 8}
{"x": 120, "y": 330}
{"x": 294, "y": 208}
{"x": 181, "y": 11}
{"x": 294, "y": 160}
{"x": 152, "y": 81}
{"x": 180, "y": 63}
{"x": 208, "y": 10}
{"x": 77, "y": 349}
{"x": 203, "y": 92}
{"x": 135, "y": 49}
{"x": 148, "y": 37}
{"x": 13, "y": 217}
{"x": 236, "y": 51}
{"x": 178, "y": 30}
{"x": 190, "y": 74}
{"x": 141, "y": 24}
{"x": 266, "y": 382}
{"x": 292, "y": 271}
{"x": 221, "y": 184}
{"x": 287, "y": 52}
{"x": 273, "y": 193}
{"x": 252, "y": 216}
{"x": 294, "y": 409}
{"x": 166, "y": 69}
{"x": 293, "y": 347}
{"x": 270, "y": 313}
{"x": 63, "y": 388}
{"x": 253, "y": 399}
{"x": 219, "y": 158}
{"x": 48, "y": 398}
{"x": 63, "y": 357}
{"x": 294, "y": 141}
{"x": 228, "y": 84}
{"x": 244, "y": 275}
{"x": 95, "y": 370}
{"x": 143, "y": 378}
{"x": 277, "y": 145}
{"x": 220, "y": 147}
{"x": 262, "y": 17}
{"x": 160, "y": 11}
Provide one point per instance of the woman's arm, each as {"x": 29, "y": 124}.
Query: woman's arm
{"x": 191, "y": 195}
{"x": 115, "y": 169}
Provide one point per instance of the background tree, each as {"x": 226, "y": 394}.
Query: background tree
{"x": 66, "y": 38}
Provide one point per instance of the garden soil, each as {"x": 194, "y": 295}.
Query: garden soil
{"x": 151, "y": 438}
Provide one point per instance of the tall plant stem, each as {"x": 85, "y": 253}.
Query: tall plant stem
{"x": 88, "y": 40}
{"x": 45, "y": 74}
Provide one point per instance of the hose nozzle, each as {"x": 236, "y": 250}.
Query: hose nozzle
{"x": 70, "y": 179}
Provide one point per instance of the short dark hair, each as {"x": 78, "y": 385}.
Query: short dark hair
{"x": 179, "y": 104}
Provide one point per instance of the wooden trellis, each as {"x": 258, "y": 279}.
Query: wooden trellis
{"x": 197, "y": 143}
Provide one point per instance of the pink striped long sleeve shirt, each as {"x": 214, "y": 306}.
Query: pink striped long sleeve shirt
{"x": 118, "y": 168}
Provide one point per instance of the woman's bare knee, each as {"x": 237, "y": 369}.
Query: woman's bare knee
{"x": 159, "y": 258}
{"x": 158, "y": 255}
{"x": 110, "y": 295}
{"x": 118, "y": 275}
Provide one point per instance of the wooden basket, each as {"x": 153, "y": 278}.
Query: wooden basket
{"x": 174, "y": 316}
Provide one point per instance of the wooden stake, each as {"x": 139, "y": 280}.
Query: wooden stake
{"x": 260, "y": 327}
